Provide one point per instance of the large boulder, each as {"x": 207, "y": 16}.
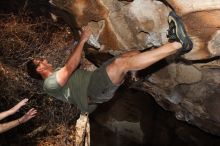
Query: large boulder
{"x": 187, "y": 85}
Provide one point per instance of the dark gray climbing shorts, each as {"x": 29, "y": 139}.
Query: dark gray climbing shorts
{"x": 101, "y": 88}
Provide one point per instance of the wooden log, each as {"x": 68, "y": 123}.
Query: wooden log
{"x": 82, "y": 135}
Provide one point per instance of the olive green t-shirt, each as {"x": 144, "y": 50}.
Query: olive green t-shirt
{"x": 74, "y": 91}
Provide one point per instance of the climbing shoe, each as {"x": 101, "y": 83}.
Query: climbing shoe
{"x": 177, "y": 32}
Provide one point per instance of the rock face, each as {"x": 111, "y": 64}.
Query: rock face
{"x": 121, "y": 25}
{"x": 189, "y": 87}
{"x": 191, "y": 91}
{"x": 134, "y": 119}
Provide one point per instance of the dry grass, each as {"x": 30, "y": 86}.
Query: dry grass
{"x": 22, "y": 39}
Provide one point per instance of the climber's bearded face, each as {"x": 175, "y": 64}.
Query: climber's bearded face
{"x": 42, "y": 65}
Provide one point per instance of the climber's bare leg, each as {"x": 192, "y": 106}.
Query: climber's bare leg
{"x": 137, "y": 61}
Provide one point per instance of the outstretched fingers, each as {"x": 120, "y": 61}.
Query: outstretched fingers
{"x": 29, "y": 115}
{"x": 23, "y": 102}
{"x": 19, "y": 105}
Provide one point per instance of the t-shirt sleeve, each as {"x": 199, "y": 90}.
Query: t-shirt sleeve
{"x": 51, "y": 85}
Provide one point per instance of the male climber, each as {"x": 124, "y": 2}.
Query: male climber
{"x": 84, "y": 88}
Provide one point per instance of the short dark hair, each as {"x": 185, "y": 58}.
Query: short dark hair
{"x": 31, "y": 70}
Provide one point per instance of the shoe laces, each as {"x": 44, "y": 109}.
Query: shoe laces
{"x": 172, "y": 31}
